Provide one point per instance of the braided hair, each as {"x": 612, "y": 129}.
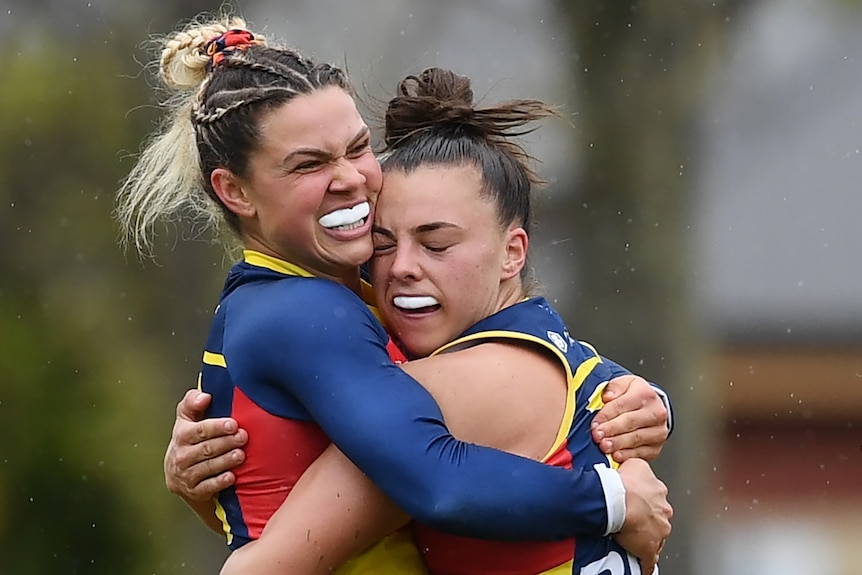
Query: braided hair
{"x": 222, "y": 79}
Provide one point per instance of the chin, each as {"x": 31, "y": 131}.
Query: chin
{"x": 357, "y": 255}
{"x": 419, "y": 349}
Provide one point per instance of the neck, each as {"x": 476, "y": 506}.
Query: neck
{"x": 511, "y": 292}
{"x": 351, "y": 280}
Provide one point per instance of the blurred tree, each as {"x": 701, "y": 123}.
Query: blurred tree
{"x": 86, "y": 390}
{"x": 637, "y": 74}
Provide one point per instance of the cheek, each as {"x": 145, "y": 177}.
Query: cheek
{"x": 303, "y": 200}
{"x": 473, "y": 284}
{"x": 379, "y": 268}
{"x": 370, "y": 168}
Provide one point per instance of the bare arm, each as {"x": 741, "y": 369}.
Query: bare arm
{"x": 332, "y": 514}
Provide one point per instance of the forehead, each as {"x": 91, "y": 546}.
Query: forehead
{"x": 433, "y": 184}
{"x": 433, "y": 194}
{"x": 323, "y": 119}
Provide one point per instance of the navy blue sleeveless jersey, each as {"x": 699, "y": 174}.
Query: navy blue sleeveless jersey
{"x": 535, "y": 323}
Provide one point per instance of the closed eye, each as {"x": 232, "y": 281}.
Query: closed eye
{"x": 359, "y": 149}
{"x": 382, "y": 242}
{"x": 307, "y": 166}
{"x": 379, "y": 249}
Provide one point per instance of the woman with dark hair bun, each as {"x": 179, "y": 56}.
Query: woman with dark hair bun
{"x": 451, "y": 237}
{"x": 270, "y": 143}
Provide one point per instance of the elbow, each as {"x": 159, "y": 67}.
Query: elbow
{"x": 444, "y": 507}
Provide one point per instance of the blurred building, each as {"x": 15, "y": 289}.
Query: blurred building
{"x": 780, "y": 264}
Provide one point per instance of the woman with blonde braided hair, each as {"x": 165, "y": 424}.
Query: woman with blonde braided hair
{"x": 273, "y": 143}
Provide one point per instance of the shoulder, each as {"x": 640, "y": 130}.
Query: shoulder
{"x": 488, "y": 365}
{"x": 297, "y": 312}
{"x": 298, "y": 300}
{"x": 492, "y": 392}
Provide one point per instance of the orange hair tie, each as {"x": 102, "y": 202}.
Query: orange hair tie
{"x": 227, "y": 43}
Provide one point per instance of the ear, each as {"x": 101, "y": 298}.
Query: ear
{"x": 231, "y": 193}
{"x": 515, "y": 259}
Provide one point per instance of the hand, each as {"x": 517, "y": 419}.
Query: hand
{"x": 201, "y": 453}
{"x": 633, "y": 422}
{"x": 648, "y": 513}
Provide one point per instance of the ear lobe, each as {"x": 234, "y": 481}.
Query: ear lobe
{"x": 517, "y": 244}
{"x": 231, "y": 193}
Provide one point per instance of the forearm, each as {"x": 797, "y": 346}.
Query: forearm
{"x": 205, "y": 510}
{"x": 332, "y": 514}
{"x": 527, "y": 501}
{"x": 267, "y": 557}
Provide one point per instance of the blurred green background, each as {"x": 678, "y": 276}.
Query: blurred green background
{"x": 701, "y": 226}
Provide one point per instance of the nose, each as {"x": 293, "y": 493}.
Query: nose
{"x": 404, "y": 265}
{"x": 346, "y": 177}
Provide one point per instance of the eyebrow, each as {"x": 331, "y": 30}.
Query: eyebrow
{"x": 420, "y": 229}
{"x": 319, "y": 153}
{"x": 434, "y": 226}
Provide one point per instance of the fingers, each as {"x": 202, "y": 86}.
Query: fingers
{"x": 619, "y": 386}
{"x": 196, "y": 475}
{"x": 648, "y": 513}
{"x": 631, "y": 421}
{"x": 218, "y": 435}
{"x": 200, "y": 453}
{"x": 627, "y": 394}
{"x": 214, "y": 447}
{"x": 209, "y": 488}
{"x": 630, "y": 430}
{"x": 644, "y": 443}
{"x": 617, "y": 401}
{"x": 206, "y": 478}
{"x": 193, "y": 405}
{"x": 210, "y": 451}
{"x": 638, "y": 410}
{"x": 645, "y": 453}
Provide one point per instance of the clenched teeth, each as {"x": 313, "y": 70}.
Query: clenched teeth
{"x": 347, "y": 218}
{"x": 414, "y": 302}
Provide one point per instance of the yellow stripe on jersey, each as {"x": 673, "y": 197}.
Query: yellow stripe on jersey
{"x": 284, "y": 267}
{"x": 216, "y": 359}
{"x": 574, "y": 384}
{"x": 564, "y": 569}
{"x": 220, "y": 513}
{"x": 501, "y": 334}
{"x": 594, "y": 404}
{"x": 264, "y": 261}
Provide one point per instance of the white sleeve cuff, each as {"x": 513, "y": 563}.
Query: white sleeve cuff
{"x": 662, "y": 395}
{"x": 615, "y": 497}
